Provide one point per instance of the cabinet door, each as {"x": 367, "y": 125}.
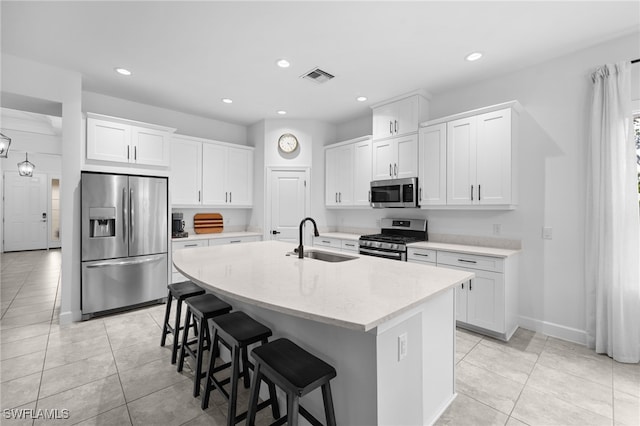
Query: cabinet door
{"x": 432, "y": 173}
{"x": 186, "y": 172}
{"x": 108, "y": 141}
{"x": 362, "y": 173}
{"x": 383, "y": 117}
{"x": 383, "y": 159}
{"x": 405, "y": 164}
{"x": 461, "y": 161}
{"x": 406, "y": 116}
{"x": 240, "y": 176}
{"x": 150, "y": 147}
{"x": 461, "y": 301}
{"x": 331, "y": 177}
{"x": 494, "y": 157}
{"x": 345, "y": 175}
{"x": 214, "y": 172}
{"x": 486, "y": 302}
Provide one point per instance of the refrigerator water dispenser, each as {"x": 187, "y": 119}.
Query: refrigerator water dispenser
{"x": 102, "y": 222}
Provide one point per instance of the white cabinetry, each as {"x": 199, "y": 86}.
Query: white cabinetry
{"x": 208, "y": 173}
{"x": 399, "y": 117}
{"x": 421, "y": 255}
{"x": 348, "y": 173}
{"x": 124, "y": 141}
{"x": 341, "y": 244}
{"x": 432, "y": 165}
{"x": 395, "y": 158}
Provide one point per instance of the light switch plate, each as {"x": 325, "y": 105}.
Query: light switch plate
{"x": 547, "y": 233}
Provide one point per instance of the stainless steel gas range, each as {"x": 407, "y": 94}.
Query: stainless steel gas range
{"x": 394, "y": 236}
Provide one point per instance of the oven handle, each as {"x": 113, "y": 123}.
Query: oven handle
{"x": 387, "y": 254}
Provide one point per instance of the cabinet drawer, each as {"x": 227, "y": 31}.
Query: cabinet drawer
{"x": 421, "y": 255}
{"x": 471, "y": 261}
{"x": 178, "y": 245}
{"x": 236, "y": 240}
{"x": 327, "y": 242}
{"x": 349, "y": 245}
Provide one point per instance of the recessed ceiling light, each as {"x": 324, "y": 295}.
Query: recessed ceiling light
{"x": 122, "y": 71}
{"x": 282, "y": 112}
{"x": 361, "y": 98}
{"x": 283, "y": 63}
{"x": 227, "y": 100}
{"x": 473, "y": 56}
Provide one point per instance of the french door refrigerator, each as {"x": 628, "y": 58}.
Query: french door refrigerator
{"x": 124, "y": 241}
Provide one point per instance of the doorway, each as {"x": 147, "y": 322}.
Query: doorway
{"x": 288, "y": 202}
{"x": 25, "y": 212}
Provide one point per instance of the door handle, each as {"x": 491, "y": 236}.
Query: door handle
{"x": 125, "y": 213}
{"x": 274, "y": 232}
{"x": 131, "y": 212}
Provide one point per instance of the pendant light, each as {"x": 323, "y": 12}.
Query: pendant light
{"x": 25, "y": 168}
{"x": 5, "y": 141}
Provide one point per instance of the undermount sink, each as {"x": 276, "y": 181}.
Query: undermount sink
{"x": 326, "y": 256}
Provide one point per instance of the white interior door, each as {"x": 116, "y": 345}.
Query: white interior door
{"x": 288, "y": 201}
{"x": 25, "y": 212}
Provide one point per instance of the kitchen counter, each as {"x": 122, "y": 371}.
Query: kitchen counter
{"x": 359, "y": 294}
{"x": 460, "y": 248}
{"x": 352, "y": 314}
{"x": 194, "y": 236}
{"x": 341, "y": 235}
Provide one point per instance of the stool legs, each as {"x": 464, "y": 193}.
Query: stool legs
{"x": 184, "y": 341}
{"x": 176, "y": 327}
{"x": 166, "y": 321}
{"x": 328, "y": 404}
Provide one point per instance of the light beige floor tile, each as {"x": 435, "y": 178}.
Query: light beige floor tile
{"x": 515, "y": 422}
{"x": 23, "y": 347}
{"x": 20, "y": 333}
{"x": 118, "y": 416}
{"x": 142, "y": 353}
{"x": 149, "y": 378}
{"x": 38, "y": 307}
{"x": 626, "y": 378}
{"x": 174, "y": 405}
{"x": 86, "y": 401}
{"x": 626, "y": 409}
{"x": 538, "y": 408}
{"x": 211, "y": 417}
{"x": 465, "y": 411}
{"x": 17, "y": 392}
{"x": 58, "y": 355}
{"x": 502, "y": 360}
{"x": 26, "y": 319}
{"x": 487, "y": 387}
{"x": 597, "y": 368}
{"x": 125, "y": 338}
{"x": 572, "y": 389}
{"x": 21, "y": 366}
{"x": 522, "y": 340}
{"x": 19, "y": 416}
{"x": 77, "y": 331}
{"x": 464, "y": 344}
{"x": 29, "y": 301}
{"x": 76, "y": 374}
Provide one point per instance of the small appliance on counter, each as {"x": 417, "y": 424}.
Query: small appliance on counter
{"x": 394, "y": 236}
{"x": 177, "y": 226}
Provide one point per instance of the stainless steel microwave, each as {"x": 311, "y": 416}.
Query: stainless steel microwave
{"x": 394, "y": 193}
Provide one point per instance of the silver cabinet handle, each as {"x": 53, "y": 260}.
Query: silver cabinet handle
{"x": 467, "y": 261}
{"x": 422, "y": 254}
{"x": 190, "y": 245}
{"x": 470, "y": 285}
{"x": 226, "y": 197}
{"x": 463, "y": 286}
{"x": 471, "y": 192}
{"x": 135, "y": 153}
{"x": 230, "y": 195}
{"x": 395, "y": 170}
{"x": 396, "y": 126}
{"x": 198, "y": 195}
{"x": 420, "y": 194}
{"x": 235, "y": 241}
{"x": 390, "y": 170}
{"x": 339, "y": 197}
{"x": 128, "y": 152}
{"x": 336, "y": 198}
{"x": 349, "y": 245}
{"x": 390, "y": 127}
{"x": 479, "y": 196}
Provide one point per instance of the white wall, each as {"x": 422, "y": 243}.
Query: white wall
{"x": 189, "y": 125}
{"x": 556, "y": 97}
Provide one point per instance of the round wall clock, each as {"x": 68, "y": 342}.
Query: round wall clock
{"x": 287, "y": 143}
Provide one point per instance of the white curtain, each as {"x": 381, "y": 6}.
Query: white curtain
{"x": 612, "y": 234}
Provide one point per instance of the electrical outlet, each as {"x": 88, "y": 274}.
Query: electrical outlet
{"x": 402, "y": 346}
{"x": 547, "y": 233}
{"x": 497, "y": 229}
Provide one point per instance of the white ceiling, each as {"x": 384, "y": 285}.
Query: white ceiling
{"x": 187, "y": 56}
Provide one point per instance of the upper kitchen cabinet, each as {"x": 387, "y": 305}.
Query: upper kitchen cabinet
{"x": 124, "y": 141}
{"x": 348, "y": 173}
{"x": 399, "y": 116}
{"x": 480, "y": 160}
{"x": 209, "y": 173}
{"x": 395, "y": 158}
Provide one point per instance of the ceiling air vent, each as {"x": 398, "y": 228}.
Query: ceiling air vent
{"x": 317, "y": 75}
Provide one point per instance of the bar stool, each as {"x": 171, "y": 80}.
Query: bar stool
{"x": 295, "y": 371}
{"x": 237, "y": 331}
{"x": 202, "y": 308}
{"x": 178, "y": 291}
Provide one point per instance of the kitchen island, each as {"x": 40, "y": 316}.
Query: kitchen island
{"x": 387, "y": 327}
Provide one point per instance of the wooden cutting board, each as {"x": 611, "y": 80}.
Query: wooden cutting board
{"x": 207, "y": 223}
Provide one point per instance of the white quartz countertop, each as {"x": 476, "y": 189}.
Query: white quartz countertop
{"x": 194, "y": 236}
{"x": 340, "y": 235}
{"x": 459, "y": 248}
{"x": 358, "y": 294}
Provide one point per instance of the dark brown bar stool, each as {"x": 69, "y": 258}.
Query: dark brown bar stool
{"x": 178, "y": 291}
{"x": 295, "y": 371}
{"x": 236, "y": 331}
{"x": 201, "y": 308}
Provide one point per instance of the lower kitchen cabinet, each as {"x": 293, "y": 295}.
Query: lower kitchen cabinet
{"x": 341, "y": 244}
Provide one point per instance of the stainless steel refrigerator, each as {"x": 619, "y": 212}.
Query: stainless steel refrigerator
{"x": 124, "y": 241}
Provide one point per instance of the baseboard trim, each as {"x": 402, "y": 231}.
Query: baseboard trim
{"x": 554, "y": 330}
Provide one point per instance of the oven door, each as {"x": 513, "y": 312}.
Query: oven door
{"x": 387, "y": 254}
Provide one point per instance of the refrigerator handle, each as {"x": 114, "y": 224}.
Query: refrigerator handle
{"x": 124, "y": 215}
{"x": 131, "y": 218}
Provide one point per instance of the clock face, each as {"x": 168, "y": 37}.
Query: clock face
{"x": 287, "y": 143}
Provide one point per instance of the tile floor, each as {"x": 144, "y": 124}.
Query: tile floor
{"x": 112, "y": 371}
